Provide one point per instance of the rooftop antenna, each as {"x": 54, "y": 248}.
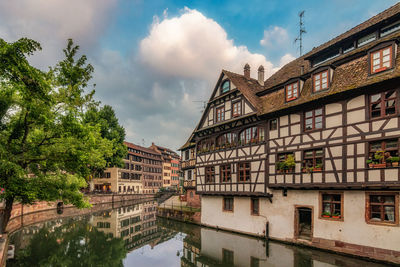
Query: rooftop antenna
{"x": 204, "y": 105}
{"x": 143, "y": 142}
{"x": 302, "y": 30}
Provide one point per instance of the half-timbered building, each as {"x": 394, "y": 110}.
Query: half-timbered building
{"x": 311, "y": 154}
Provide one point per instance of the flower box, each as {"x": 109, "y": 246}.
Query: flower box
{"x": 380, "y": 165}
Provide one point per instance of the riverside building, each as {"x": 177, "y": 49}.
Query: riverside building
{"x": 310, "y": 155}
{"x": 142, "y": 173}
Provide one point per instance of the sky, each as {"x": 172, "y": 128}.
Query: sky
{"x": 157, "y": 61}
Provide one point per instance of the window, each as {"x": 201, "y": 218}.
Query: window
{"x": 381, "y": 150}
{"x": 244, "y": 171}
{"x": 313, "y": 160}
{"x": 227, "y": 257}
{"x": 366, "y": 39}
{"x": 321, "y": 81}
{"x": 313, "y": 119}
{"x": 382, "y": 208}
{"x": 255, "y": 206}
{"x": 186, "y": 154}
{"x": 205, "y": 145}
{"x": 226, "y": 140}
{"x": 286, "y": 162}
{"x": 225, "y": 171}
{"x": 383, "y": 104}
{"x": 273, "y": 124}
{"x": 332, "y": 205}
{"x": 220, "y": 114}
{"x": 381, "y": 59}
{"x": 251, "y": 135}
{"x": 210, "y": 174}
{"x": 227, "y": 204}
{"x": 225, "y": 87}
{"x": 254, "y": 262}
{"x": 292, "y": 91}
{"x": 236, "y": 109}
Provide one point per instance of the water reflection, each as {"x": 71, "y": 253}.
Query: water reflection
{"x": 133, "y": 236}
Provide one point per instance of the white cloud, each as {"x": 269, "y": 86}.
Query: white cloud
{"x": 194, "y": 46}
{"x": 274, "y": 36}
{"x": 53, "y": 22}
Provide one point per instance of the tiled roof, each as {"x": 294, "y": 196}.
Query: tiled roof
{"x": 248, "y": 87}
{"x": 347, "y": 76}
{"x": 141, "y": 148}
{"x": 390, "y": 12}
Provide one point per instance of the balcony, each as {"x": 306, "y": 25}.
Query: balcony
{"x": 188, "y": 184}
{"x": 188, "y": 163}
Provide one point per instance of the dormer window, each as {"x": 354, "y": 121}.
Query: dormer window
{"x": 321, "y": 81}
{"x": 225, "y": 87}
{"x": 381, "y": 59}
{"x": 292, "y": 91}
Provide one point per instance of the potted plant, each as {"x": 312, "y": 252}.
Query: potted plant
{"x": 290, "y": 163}
{"x": 379, "y": 156}
{"x": 280, "y": 166}
{"x": 318, "y": 167}
{"x": 370, "y": 163}
{"x": 336, "y": 216}
{"x": 326, "y": 214}
{"x": 395, "y": 161}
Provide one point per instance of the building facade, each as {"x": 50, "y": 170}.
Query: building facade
{"x": 142, "y": 173}
{"x": 188, "y": 155}
{"x": 171, "y": 166}
{"x": 310, "y": 155}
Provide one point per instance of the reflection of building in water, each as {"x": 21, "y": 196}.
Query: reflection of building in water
{"x": 191, "y": 249}
{"x": 219, "y": 248}
{"x": 135, "y": 224}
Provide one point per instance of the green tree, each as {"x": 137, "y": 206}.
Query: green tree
{"x": 110, "y": 130}
{"x": 47, "y": 148}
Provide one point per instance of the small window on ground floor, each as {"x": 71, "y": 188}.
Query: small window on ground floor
{"x": 382, "y": 208}
{"x": 227, "y": 257}
{"x": 227, "y": 204}
{"x": 255, "y": 206}
{"x": 332, "y": 205}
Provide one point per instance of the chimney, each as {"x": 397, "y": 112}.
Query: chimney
{"x": 247, "y": 71}
{"x": 261, "y": 75}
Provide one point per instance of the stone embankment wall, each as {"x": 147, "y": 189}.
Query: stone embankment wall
{"x": 19, "y": 209}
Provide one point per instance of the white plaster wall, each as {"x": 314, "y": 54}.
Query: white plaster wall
{"x": 280, "y": 215}
{"x": 240, "y": 219}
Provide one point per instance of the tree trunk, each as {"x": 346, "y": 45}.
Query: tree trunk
{"x": 6, "y": 214}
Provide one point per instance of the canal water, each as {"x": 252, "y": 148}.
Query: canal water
{"x": 132, "y": 235}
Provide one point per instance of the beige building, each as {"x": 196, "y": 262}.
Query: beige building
{"x": 311, "y": 154}
{"x": 141, "y": 173}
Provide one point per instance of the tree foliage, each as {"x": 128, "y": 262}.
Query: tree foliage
{"x": 52, "y": 133}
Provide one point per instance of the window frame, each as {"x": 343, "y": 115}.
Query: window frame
{"x": 321, "y": 205}
{"x": 383, "y": 100}
{"x": 319, "y": 74}
{"x": 285, "y": 154}
{"x": 231, "y": 206}
{"x": 224, "y": 170}
{"x": 252, "y": 211}
{"x": 225, "y": 136}
{"x": 227, "y": 81}
{"x": 242, "y": 167}
{"x": 271, "y": 123}
{"x": 220, "y": 114}
{"x": 287, "y": 91}
{"x": 313, "y": 117}
{"x": 209, "y": 174}
{"x": 383, "y": 142}
{"x": 379, "y": 49}
{"x": 239, "y": 109}
{"x": 314, "y": 158}
{"x": 248, "y": 140}
{"x": 368, "y": 208}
